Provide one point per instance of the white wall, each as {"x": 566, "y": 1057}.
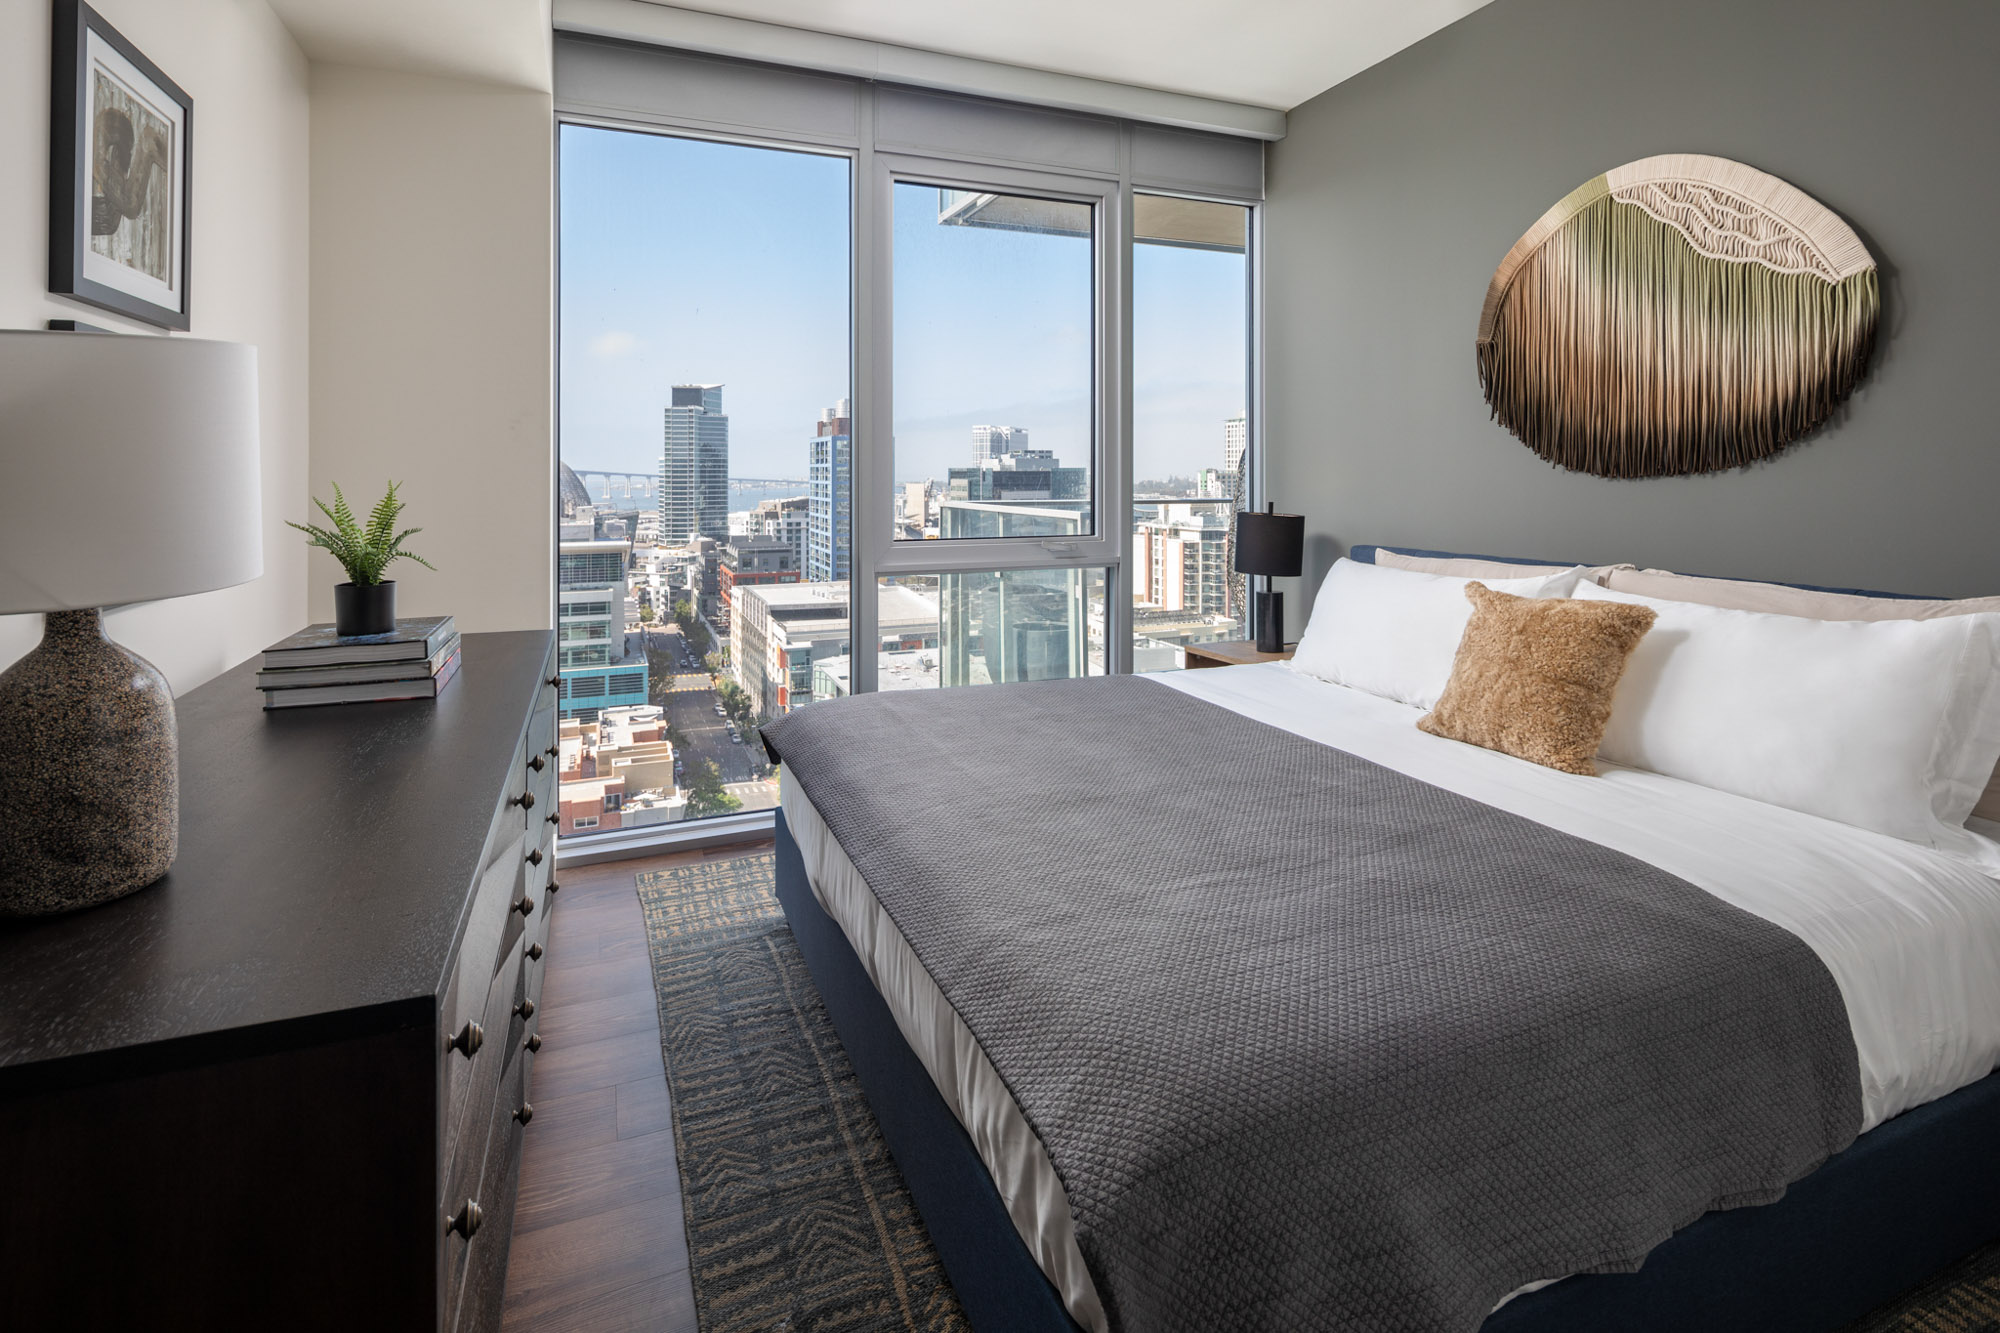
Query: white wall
{"x": 248, "y": 270}
{"x": 432, "y": 281}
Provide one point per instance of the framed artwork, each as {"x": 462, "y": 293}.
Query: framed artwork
{"x": 119, "y": 131}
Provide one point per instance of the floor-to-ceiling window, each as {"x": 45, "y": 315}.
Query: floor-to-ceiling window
{"x": 995, "y": 347}
{"x": 873, "y": 388}
{"x": 1190, "y": 423}
{"x": 705, "y": 372}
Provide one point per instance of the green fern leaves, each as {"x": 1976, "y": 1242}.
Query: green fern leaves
{"x": 364, "y": 552}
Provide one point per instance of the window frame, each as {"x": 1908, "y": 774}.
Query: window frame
{"x": 811, "y": 116}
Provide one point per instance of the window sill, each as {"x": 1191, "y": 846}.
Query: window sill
{"x": 651, "y": 839}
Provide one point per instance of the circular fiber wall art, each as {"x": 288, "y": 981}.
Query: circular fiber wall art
{"x": 1680, "y": 314}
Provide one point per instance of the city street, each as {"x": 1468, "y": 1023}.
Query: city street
{"x": 691, "y": 709}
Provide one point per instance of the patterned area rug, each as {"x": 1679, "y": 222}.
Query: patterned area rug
{"x": 797, "y": 1218}
{"x": 1964, "y": 1299}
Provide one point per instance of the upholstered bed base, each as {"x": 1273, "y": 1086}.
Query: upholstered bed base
{"x": 1905, "y": 1201}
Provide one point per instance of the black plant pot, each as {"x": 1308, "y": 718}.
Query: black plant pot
{"x": 364, "y": 608}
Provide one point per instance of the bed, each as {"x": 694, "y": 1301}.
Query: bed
{"x": 1906, "y": 941}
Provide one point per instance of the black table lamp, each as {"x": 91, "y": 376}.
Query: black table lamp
{"x": 1271, "y": 544}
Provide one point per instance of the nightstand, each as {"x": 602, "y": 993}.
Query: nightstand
{"x": 1230, "y": 652}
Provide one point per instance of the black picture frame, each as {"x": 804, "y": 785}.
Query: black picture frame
{"x": 126, "y": 247}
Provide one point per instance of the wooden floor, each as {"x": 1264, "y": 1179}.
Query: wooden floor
{"x": 599, "y": 1240}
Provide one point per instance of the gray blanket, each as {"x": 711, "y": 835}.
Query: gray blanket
{"x": 1312, "y": 1044}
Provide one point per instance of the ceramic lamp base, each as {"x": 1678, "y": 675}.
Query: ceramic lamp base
{"x": 91, "y": 808}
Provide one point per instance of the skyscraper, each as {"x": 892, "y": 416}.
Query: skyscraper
{"x": 829, "y": 476}
{"x": 990, "y": 442}
{"x": 1236, "y": 476}
{"x": 694, "y": 466}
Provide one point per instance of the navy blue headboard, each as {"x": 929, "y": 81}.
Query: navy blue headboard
{"x": 1366, "y": 555}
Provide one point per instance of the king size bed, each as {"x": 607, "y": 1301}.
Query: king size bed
{"x": 1230, "y": 999}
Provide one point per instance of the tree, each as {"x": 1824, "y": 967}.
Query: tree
{"x": 683, "y": 612}
{"x": 646, "y": 616}
{"x": 706, "y": 794}
{"x": 735, "y": 703}
{"x": 714, "y": 663}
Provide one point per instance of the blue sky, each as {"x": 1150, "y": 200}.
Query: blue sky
{"x": 692, "y": 262}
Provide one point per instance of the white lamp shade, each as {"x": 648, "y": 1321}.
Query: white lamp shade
{"x": 128, "y": 469}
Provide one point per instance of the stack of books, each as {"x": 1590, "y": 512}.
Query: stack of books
{"x": 317, "y": 666}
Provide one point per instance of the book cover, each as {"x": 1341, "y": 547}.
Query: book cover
{"x": 359, "y": 673}
{"x": 365, "y": 692}
{"x": 317, "y": 645}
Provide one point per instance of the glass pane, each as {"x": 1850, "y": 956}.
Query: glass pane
{"x": 704, "y": 453}
{"x": 994, "y": 331}
{"x": 979, "y": 629}
{"x": 1190, "y": 442}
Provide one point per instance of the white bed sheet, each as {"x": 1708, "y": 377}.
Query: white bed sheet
{"x": 1911, "y": 936}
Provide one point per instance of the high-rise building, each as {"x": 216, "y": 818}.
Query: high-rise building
{"x": 1236, "y": 475}
{"x": 595, "y": 671}
{"x": 694, "y": 466}
{"x": 993, "y": 441}
{"x": 1181, "y": 560}
{"x": 829, "y": 487}
{"x": 787, "y": 519}
{"x": 751, "y": 560}
{"x": 1032, "y": 474}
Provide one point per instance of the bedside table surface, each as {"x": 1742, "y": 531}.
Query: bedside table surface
{"x": 1232, "y": 652}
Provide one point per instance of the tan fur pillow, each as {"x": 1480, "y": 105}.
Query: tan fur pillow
{"x": 1534, "y": 676}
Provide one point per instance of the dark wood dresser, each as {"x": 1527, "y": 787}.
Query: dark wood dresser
{"x": 286, "y": 1086}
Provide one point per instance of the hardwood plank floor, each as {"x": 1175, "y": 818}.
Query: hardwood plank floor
{"x": 600, "y": 1245}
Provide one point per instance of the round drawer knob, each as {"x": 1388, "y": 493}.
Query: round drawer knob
{"x": 468, "y": 1041}
{"x": 535, "y": 857}
{"x": 553, "y": 753}
{"x": 555, "y": 819}
{"x": 526, "y": 800}
{"x": 526, "y": 1113}
{"x": 553, "y": 681}
{"x": 526, "y": 1009}
{"x": 526, "y": 907}
{"x": 537, "y": 764}
{"x": 466, "y": 1220}
{"x": 535, "y": 952}
{"x": 553, "y": 886}
{"x": 533, "y": 1043}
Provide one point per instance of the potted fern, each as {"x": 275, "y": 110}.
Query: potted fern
{"x": 366, "y": 603}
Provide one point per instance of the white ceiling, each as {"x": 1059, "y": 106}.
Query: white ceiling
{"x": 494, "y": 41}
{"x": 1271, "y": 53}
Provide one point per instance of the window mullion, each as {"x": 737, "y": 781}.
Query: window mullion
{"x": 872, "y": 473}
{"x": 1116, "y": 520}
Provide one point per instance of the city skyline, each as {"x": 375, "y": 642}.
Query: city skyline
{"x": 744, "y": 282}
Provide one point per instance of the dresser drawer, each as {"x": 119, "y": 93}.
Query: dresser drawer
{"x": 468, "y": 1032}
{"x": 478, "y": 1273}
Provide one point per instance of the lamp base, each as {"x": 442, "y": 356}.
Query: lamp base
{"x": 1270, "y": 622}
{"x": 91, "y": 807}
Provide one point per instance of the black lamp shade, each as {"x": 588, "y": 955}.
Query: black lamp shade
{"x": 1270, "y": 544}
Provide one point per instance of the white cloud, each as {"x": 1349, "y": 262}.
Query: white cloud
{"x": 615, "y": 343}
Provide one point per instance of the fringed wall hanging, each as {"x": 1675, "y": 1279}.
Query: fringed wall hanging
{"x": 1680, "y": 314}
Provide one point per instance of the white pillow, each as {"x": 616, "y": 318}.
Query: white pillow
{"x": 1394, "y": 632}
{"x": 1889, "y": 725}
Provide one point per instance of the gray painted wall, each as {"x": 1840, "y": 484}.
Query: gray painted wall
{"x": 1394, "y": 196}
